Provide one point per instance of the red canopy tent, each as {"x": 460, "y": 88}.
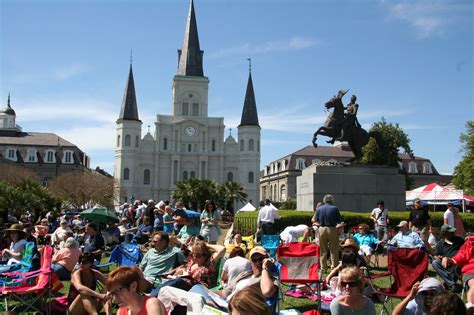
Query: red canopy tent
{"x": 436, "y": 194}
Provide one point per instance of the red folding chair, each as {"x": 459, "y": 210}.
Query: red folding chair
{"x": 406, "y": 266}
{"x": 299, "y": 264}
{"x": 34, "y": 287}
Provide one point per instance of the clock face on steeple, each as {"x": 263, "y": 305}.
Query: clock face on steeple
{"x": 190, "y": 131}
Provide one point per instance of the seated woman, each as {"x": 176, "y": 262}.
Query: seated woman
{"x": 83, "y": 297}
{"x": 125, "y": 287}
{"x": 201, "y": 268}
{"x": 65, "y": 259}
{"x": 235, "y": 265}
{"x": 351, "y": 301}
{"x": 366, "y": 240}
{"x": 236, "y": 242}
{"x": 14, "y": 254}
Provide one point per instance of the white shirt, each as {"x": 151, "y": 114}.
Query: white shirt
{"x": 268, "y": 214}
{"x": 17, "y": 247}
{"x": 381, "y": 219}
{"x": 449, "y": 216}
{"x": 235, "y": 266}
{"x": 292, "y": 233}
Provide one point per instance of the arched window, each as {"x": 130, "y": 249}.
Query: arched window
{"x": 251, "y": 178}
{"x": 185, "y": 175}
{"x": 230, "y": 177}
{"x": 241, "y": 145}
{"x": 192, "y": 174}
{"x": 427, "y": 169}
{"x": 251, "y": 145}
{"x": 412, "y": 169}
{"x": 283, "y": 193}
{"x": 126, "y": 174}
{"x": 146, "y": 177}
{"x": 127, "y": 140}
{"x": 300, "y": 164}
{"x": 165, "y": 144}
{"x": 195, "y": 109}
{"x": 185, "y": 109}
{"x": 213, "y": 145}
{"x": 137, "y": 141}
{"x": 190, "y": 147}
{"x": 118, "y": 140}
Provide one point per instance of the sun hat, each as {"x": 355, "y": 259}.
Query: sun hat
{"x": 339, "y": 225}
{"x": 14, "y": 228}
{"x": 258, "y": 250}
{"x": 350, "y": 243}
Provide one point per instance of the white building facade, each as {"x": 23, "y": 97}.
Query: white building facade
{"x": 188, "y": 143}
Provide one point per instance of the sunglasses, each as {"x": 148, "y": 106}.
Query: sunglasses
{"x": 115, "y": 292}
{"x": 351, "y": 284}
{"x": 258, "y": 259}
{"x": 197, "y": 255}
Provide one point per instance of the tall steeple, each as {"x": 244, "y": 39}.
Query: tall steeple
{"x": 249, "y": 113}
{"x": 129, "y": 109}
{"x": 190, "y": 55}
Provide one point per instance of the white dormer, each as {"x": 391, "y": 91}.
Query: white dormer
{"x": 412, "y": 168}
{"x": 68, "y": 157}
{"x": 31, "y": 156}
{"x": 11, "y": 154}
{"x": 300, "y": 164}
{"x": 427, "y": 168}
{"x": 50, "y": 156}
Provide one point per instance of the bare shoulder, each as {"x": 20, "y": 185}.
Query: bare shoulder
{"x": 154, "y": 306}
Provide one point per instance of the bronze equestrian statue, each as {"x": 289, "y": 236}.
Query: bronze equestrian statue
{"x": 342, "y": 126}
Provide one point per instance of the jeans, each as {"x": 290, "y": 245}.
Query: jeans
{"x": 175, "y": 283}
{"x": 381, "y": 232}
{"x": 449, "y": 275}
{"x": 268, "y": 228}
{"x": 62, "y": 273}
{"x": 201, "y": 290}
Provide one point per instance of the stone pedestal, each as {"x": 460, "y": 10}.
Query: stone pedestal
{"x": 354, "y": 187}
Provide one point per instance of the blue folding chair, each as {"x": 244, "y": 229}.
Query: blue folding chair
{"x": 271, "y": 243}
{"x": 26, "y": 262}
{"x": 124, "y": 255}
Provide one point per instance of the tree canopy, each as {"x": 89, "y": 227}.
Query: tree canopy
{"x": 464, "y": 171}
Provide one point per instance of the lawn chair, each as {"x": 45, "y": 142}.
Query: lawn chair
{"x": 406, "y": 266}
{"x": 271, "y": 243}
{"x": 299, "y": 264}
{"x": 33, "y": 287}
{"x": 220, "y": 265}
{"x": 123, "y": 255}
{"x": 26, "y": 263}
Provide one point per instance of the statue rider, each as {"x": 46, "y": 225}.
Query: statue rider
{"x": 350, "y": 119}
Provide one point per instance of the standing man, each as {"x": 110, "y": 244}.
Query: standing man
{"x": 150, "y": 211}
{"x": 266, "y": 218}
{"x": 448, "y": 216}
{"x": 328, "y": 217}
{"x": 380, "y": 217}
{"x": 420, "y": 220}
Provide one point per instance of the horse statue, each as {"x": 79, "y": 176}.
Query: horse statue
{"x": 356, "y": 136}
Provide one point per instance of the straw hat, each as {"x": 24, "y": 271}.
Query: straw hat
{"x": 350, "y": 243}
{"x": 14, "y": 228}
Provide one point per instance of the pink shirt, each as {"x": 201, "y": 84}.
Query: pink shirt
{"x": 67, "y": 257}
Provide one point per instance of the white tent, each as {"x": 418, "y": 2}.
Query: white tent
{"x": 247, "y": 208}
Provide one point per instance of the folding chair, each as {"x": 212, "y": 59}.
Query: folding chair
{"x": 220, "y": 265}
{"x": 33, "y": 287}
{"x": 26, "y": 262}
{"x": 406, "y": 266}
{"x": 299, "y": 264}
{"x": 271, "y": 243}
{"x": 124, "y": 255}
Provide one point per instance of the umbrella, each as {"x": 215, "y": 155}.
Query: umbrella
{"x": 100, "y": 215}
{"x": 192, "y": 214}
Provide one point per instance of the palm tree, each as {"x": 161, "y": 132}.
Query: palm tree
{"x": 230, "y": 192}
{"x": 194, "y": 192}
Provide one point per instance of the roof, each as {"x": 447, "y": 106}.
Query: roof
{"x": 35, "y": 139}
{"x": 249, "y": 112}
{"x": 190, "y": 55}
{"x": 129, "y": 109}
{"x": 8, "y": 110}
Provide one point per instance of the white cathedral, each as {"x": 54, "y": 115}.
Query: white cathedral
{"x": 187, "y": 143}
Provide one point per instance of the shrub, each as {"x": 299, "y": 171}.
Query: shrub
{"x": 246, "y": 222}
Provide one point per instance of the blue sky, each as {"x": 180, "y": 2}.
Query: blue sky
{"x": 66, "y": 64}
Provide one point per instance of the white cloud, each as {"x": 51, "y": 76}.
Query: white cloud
{"x": 429, "y": 18}
{"x": 89, "y": 138}
{"x": 68, "y": 71}
{"x": 248, "y": 49}
{"x": 58, "y": 73}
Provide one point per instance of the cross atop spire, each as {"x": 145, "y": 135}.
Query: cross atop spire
{"x": 190, "y": 55}
{"x": 249, "y": 113}
{"x": 8, "y": 102}
{"x": 250, "y": 64}
{"x": 131, "y": 56}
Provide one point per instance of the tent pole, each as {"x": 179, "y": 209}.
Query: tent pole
{"x": 463, "y": 203}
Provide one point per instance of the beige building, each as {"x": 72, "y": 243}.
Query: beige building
{"x": 278, "y": 179}
{"x": 189, "y": 143}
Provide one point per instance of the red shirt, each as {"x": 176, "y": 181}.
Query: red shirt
{"x": 465, "y": 257}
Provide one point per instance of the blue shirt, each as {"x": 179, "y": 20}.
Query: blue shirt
{"x": 365, "y": 239}
{"x": 328, "y": 215}
{"x": 158, "y": 220}
{"x": 144, "y": 228}
{"x": 408, "y": 239}
{"x": 168, "y": 228}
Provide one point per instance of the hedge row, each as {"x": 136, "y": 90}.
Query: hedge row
{"x": 246, "y": 222}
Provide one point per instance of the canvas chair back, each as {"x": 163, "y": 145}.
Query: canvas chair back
{"x": 299, "y": 262}
{"x": 407, "y": 266}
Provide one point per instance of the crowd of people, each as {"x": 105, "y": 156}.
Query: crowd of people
{"x": 179, "y": 271}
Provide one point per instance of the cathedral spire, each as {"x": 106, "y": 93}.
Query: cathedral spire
{"x": 249, "y": 113}
{"x": 190, "y": 55}
{"x": 129, "y": 109}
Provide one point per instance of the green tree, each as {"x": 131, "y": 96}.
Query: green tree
{"x": 26, "y": 195}
{"x": 230, "y": 192}
{"x": 394, "y": 138}
{"x": 464, "y": 171}
{"x": 194, "y": 192}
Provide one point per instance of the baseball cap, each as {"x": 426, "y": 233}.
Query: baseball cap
{"x": 447, "y": 228}
{"x": 258, "y": 250}
{"x": 402, "y": 223}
